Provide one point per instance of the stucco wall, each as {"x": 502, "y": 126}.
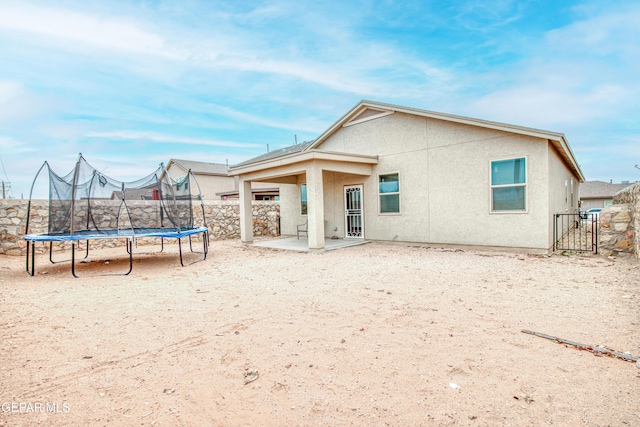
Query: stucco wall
{"x": 334, "y": 208}
{"x": 210, "y": 185}
{"x": 464, "y": 170}
{"x": 290, "y": 203}
{"x": 558, "y": 174}
{"x": 444, "y": 172}
{"x": 222, "y": 219}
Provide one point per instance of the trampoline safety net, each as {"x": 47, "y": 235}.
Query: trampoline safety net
{"x": 87, "y": 201}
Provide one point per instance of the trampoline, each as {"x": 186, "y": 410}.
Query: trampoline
{"x": 86, "y": 205}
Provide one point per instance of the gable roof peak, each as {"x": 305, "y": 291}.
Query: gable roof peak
{"x": 350, "y": 117}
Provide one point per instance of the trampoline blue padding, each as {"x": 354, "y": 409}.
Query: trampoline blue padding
{"x": 87, "y": 205}
{"x": 126, "y": 233}
{"x": 130, "y": 234}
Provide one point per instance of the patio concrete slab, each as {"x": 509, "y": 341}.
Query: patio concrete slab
{"x": 302, "y": 244}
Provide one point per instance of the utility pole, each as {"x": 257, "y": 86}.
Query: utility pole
{"x": 6, "y": 190}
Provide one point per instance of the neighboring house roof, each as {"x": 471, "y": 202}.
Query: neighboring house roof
{"x": 200, "y": 168}
{"x": 600, "y": 189}
{"x": 366, "y": 110}
{"x": 136, "y": 194}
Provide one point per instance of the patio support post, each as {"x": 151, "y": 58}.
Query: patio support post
{"x": 315, "y": 207}
{"x": 246, "y": 212}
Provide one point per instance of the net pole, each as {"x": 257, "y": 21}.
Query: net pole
{"x": 126, "y": 208}
{"x": 73, "y": 193}
{"x": 26, "y": 230}
{"x": 175, "y": 202}
{"x": 89, "y": 215}
{"x": 204, "y": 221}
{"x": 189, "y": 176}
{"x": 177, "y": 212}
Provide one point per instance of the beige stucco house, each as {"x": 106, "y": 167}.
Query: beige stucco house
{"x": 216, "y": 183}
{"x": 392, "y": 173}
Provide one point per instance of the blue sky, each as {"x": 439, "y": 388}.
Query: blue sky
{"x": 131, "y": 84}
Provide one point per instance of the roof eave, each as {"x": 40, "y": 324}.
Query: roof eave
{"x": 537, "y": 133}
{"x": 302, "y": 156}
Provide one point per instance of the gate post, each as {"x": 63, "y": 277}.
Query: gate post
{"x": 595, "y": 234}
{"x": 555, "y": 231}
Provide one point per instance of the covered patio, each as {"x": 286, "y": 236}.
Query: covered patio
{"x": 311, "y": 167}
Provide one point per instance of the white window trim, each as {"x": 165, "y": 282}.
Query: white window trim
{"x": 398, "y": 193}
{"x": 366, "y": 119}
{"x": 525, "y": 185}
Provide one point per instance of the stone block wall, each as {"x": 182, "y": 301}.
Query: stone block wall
{"x": 620, "y": 224}
{"x": 222, "y": 220}
{"x": 615, "y": 235}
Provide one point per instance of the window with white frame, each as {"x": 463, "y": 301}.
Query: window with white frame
{"x": 509, "y": 185}
{"x": 303, "y": 199}
{"x": 182, "y": 183}
{"x": 389, "y": 193}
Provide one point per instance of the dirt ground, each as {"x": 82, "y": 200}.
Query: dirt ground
{"x": 372, "y": 335}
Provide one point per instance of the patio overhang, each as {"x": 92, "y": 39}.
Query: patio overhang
{"x": 294, "y": 164}
{"x": 286, "y": 170}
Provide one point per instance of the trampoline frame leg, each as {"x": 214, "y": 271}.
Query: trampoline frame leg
{"x": 31, "y": 244}
{"x": 205, "y": 248}
{"x": 159, "y": 252}
{"x": 129, "y": 245}
{"x": 86, "y": 255}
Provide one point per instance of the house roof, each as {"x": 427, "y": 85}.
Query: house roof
{"x": 601, "y": 189}
{"x": 200, "y": 168}
{"x": 278, "y": 153}
{"x": 365, "y": 110}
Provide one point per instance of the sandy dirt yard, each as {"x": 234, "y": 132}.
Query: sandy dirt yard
{"x": 372, "y": 335}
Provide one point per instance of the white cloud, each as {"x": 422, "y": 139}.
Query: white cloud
{"x": 358, "y": 66}
{"x": 483, "y": 15}
{"x": 17, "y": 103}
{"x": 9, "y": 144}
{"x": 309, "y": 126}
{"x": 609, "y": 32}
{"x": 585, "y": 72}
{"x": 83, "y": 29}
{"x": 543, "y": 103}
{"x": 314, "y": 73}
{"x": 160, "y": 138}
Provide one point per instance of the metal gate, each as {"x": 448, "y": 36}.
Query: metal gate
{"x": 575, "y": 232}
{"x": 354, "y": 225}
